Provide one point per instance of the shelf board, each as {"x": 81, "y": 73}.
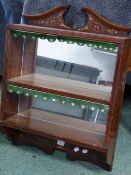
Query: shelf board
{"x": 58, "y": 126}
{"x": 62, "y": 86}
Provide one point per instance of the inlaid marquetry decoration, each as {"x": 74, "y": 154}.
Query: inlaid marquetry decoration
{"x": 98, "y": 24}
{"x": 108, "y": 47}
{"x": 95, "y": 24}
{"x": 57, "y": 98}
{"x": 51, "y": 18}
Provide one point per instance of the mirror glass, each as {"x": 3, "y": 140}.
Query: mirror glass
{"x": 88, "y": 70}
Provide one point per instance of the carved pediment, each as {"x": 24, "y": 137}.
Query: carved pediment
{"x": 54, "y": 18}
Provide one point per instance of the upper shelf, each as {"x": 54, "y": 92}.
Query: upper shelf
{"x": 96, "y": 24}
{"x": 85, "y": 91}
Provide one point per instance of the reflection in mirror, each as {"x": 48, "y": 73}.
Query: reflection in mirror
{"x": 88, "y": 68}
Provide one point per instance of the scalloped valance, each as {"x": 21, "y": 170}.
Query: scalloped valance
{"x": 108, "y": 47}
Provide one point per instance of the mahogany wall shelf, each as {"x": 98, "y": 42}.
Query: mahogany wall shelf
{"x": 63, "y": 87}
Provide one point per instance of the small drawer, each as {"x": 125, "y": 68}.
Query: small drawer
{"x": 85, "y": 153}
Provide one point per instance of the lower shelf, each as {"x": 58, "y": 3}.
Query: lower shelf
{"x": 59, "y": 127}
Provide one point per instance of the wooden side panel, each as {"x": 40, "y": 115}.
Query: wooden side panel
{"x": 20, "y": 57}
{"x": 116, "y": 102}
{"x": 119, "y": 87}
{"x": 12, "y": 68}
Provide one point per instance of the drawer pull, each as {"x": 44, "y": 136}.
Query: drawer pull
{"x": 84, "y": 151}
{"x": 76, "y": 149}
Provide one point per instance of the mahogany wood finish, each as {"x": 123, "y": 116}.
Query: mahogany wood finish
{"x": 95, "y": 23}
{"x": 51, "y": 18}
{"x": 31, "y": 127}
{"x": 71, "y": 88}
{"x": 68, "y": 129}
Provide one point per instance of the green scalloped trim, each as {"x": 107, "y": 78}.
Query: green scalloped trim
{"x": 57, "y": 98}
{"x": 108, "y": 47}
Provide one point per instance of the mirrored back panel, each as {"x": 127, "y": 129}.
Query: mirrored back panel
{"x": 84, "y": 67}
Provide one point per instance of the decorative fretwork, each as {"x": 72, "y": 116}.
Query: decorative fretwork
{"x": 108, "y": 47}
{"x": 97, "y": 24}
{"x": 57, "y": 98}
{"x": 54, "y": 18}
